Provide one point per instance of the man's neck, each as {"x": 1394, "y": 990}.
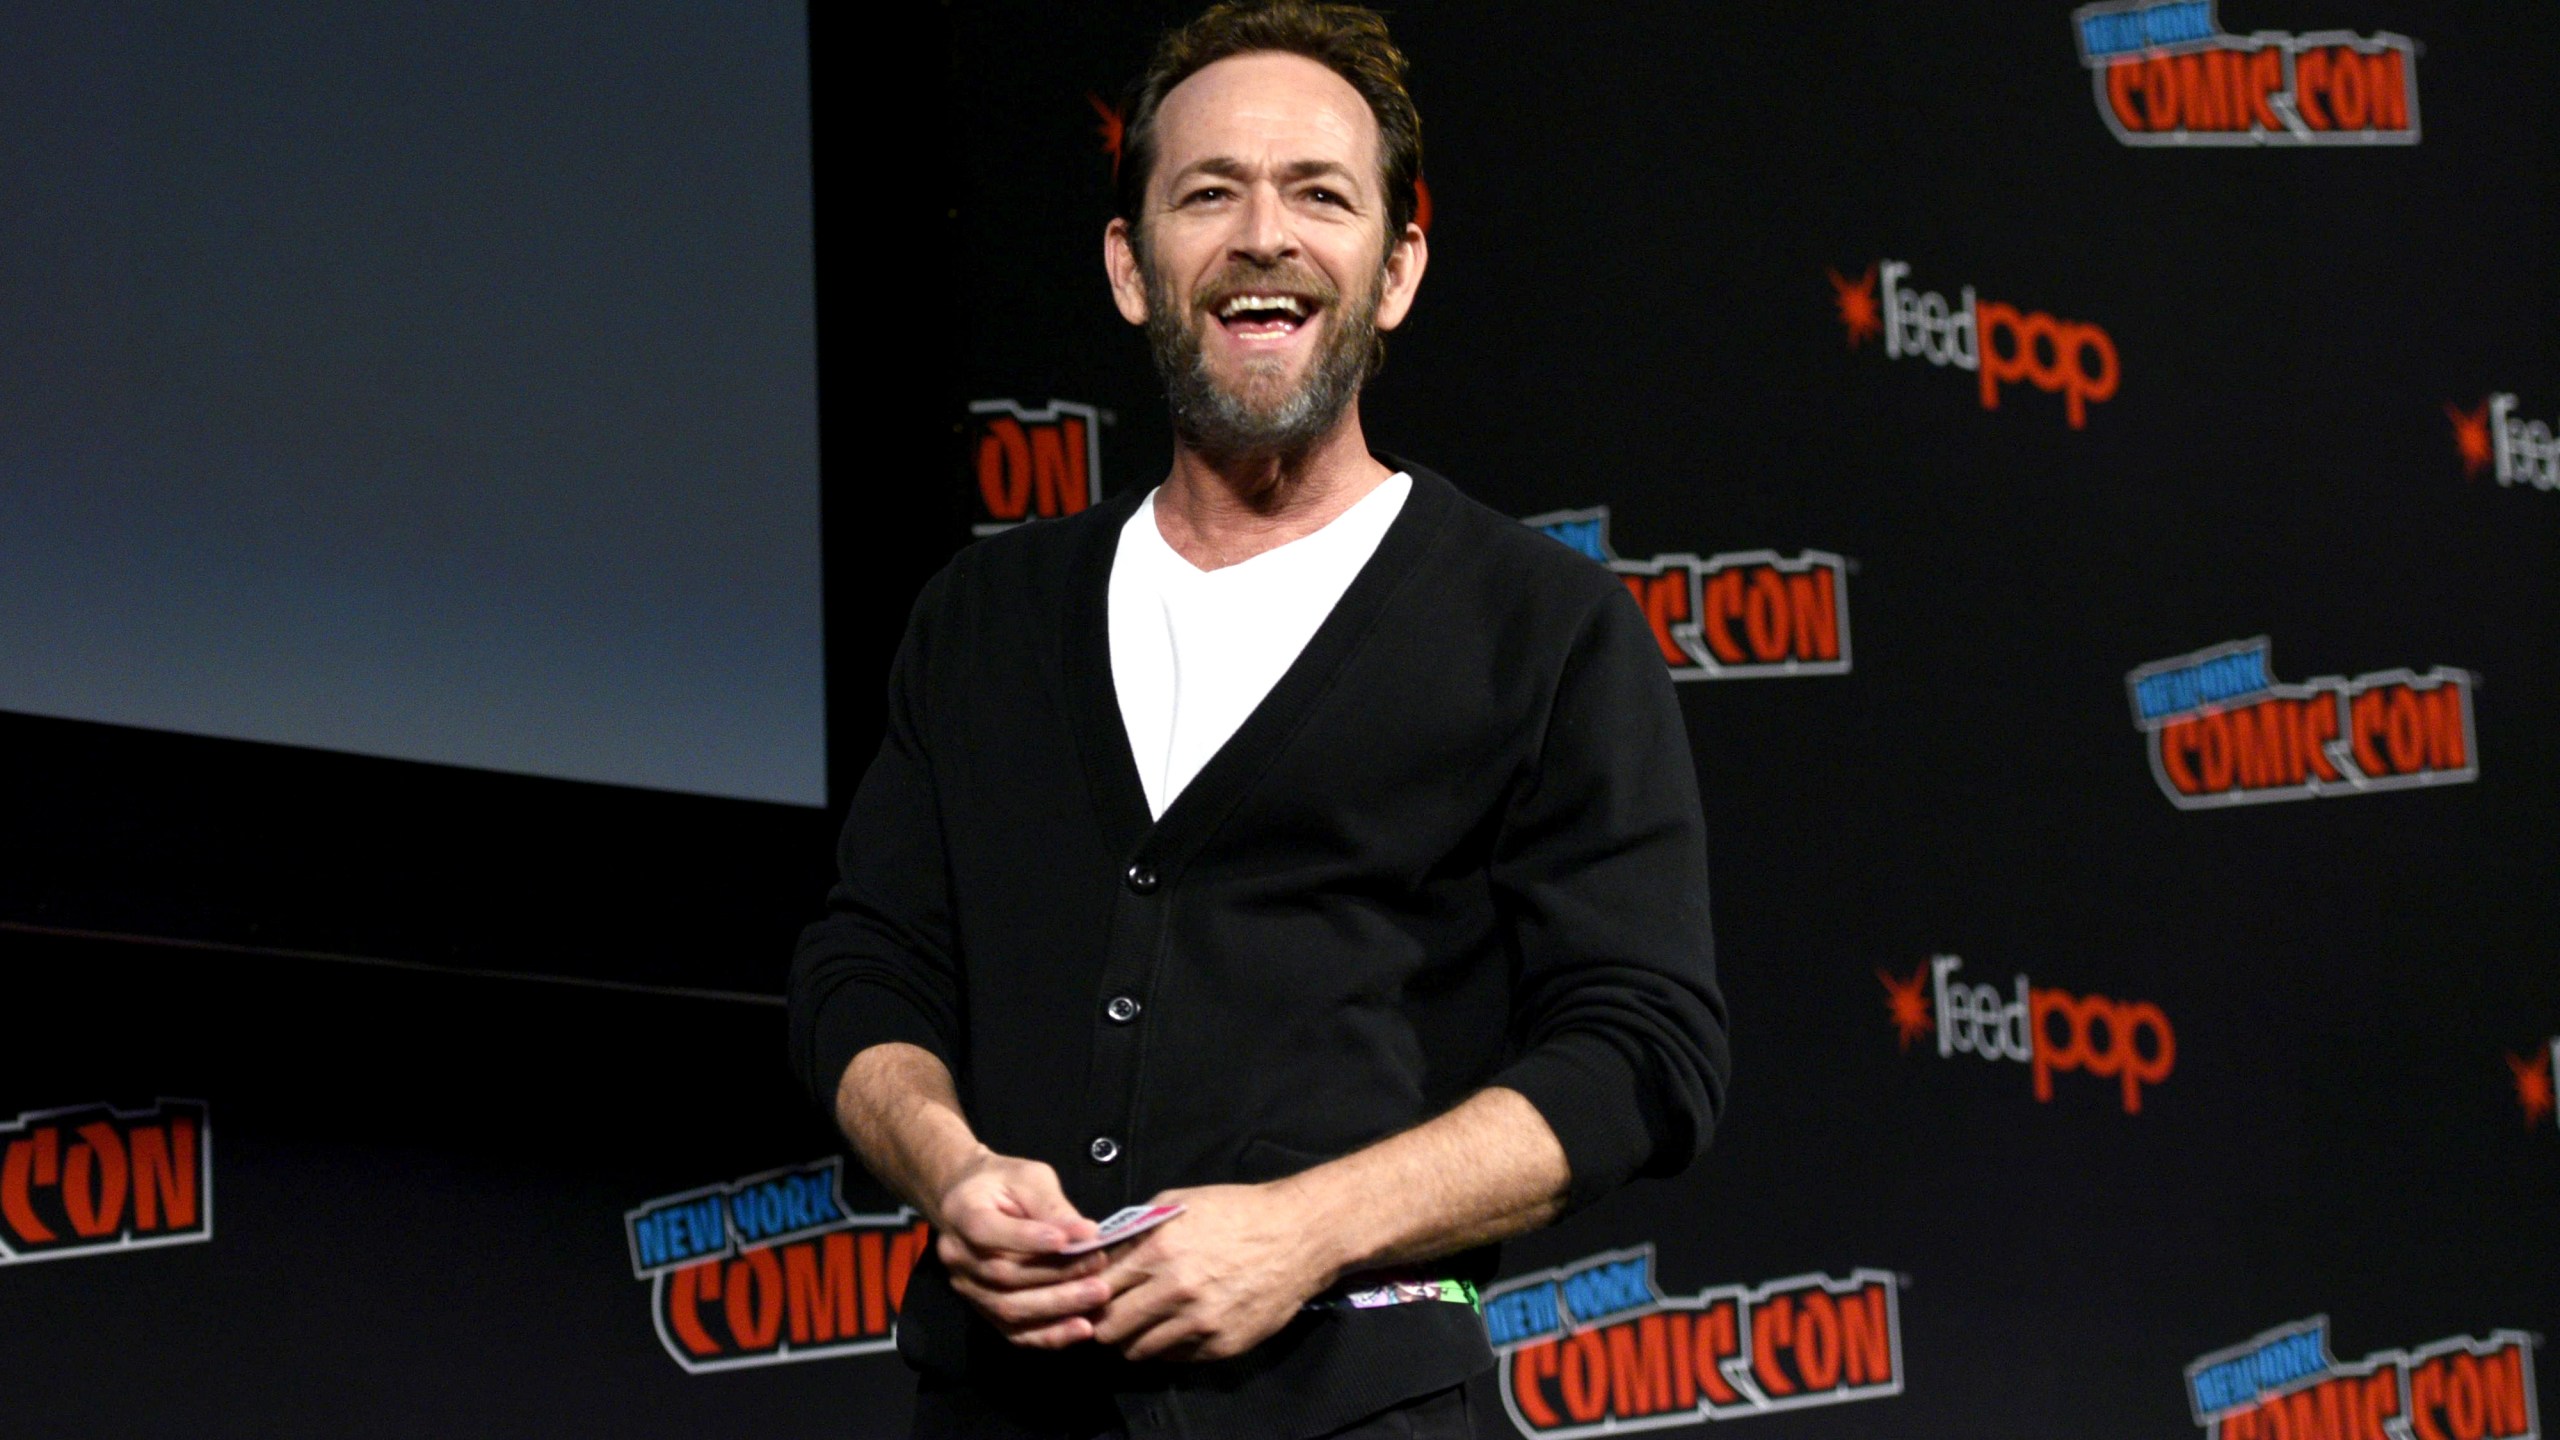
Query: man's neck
{"x": 1218, "y": 511}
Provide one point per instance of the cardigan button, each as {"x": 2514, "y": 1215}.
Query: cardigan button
{"x": 1142, "y": 879}
{"x": 1122, "y": 1009}
{"x": 1104, "y": 1150}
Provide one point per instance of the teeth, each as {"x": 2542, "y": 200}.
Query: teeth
{"x": 1287, "y": 304}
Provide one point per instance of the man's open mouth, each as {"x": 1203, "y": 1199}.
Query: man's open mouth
{"x": 1263, "y": 314}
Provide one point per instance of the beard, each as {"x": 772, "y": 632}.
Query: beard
{"x": 1265, "y": 415}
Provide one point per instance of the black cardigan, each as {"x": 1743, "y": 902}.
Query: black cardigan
{"x": 1459, "y": 844}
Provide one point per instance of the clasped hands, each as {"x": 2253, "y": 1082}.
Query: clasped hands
{"x": 1212, "y": 1282}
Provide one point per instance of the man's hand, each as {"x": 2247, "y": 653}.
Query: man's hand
{"x": 1229, "y": 1272}
{"x": 1226, "y": 1274}
{"x": 1002, "y": 1221}
{"x": 1216, "y": 1280}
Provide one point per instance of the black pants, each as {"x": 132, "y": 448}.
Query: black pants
{"x": 1461, "y": 1412}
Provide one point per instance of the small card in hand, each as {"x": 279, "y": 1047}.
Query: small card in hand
{"x": 1125, "y": 1224}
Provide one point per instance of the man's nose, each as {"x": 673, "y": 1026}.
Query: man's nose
{"x": 1262, "y": 230}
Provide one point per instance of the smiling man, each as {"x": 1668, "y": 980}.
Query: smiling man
{"x": 1366, "y": 918}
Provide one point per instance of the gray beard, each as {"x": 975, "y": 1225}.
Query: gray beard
{"x": 1226, "y": 425}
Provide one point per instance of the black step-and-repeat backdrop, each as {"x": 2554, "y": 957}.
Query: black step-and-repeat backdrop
{"x": 2092, "y": 473}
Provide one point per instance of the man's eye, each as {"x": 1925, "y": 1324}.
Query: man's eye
{"x": 1209, "y": 192}
{"x": 1326, "y": 197}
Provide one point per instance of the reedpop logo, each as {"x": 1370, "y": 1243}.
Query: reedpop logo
{"x": 2533, "y": 1081}
{"x": 2517, "y": 452}
{"x": 2049, "y": 1031}
{"x": 2000, "y": 343}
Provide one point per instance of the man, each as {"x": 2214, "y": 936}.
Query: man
{"x": 1356, "y": 903}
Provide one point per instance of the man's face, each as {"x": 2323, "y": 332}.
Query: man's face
{"x": 1263, "y": 272}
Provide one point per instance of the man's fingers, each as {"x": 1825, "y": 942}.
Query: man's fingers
{"x": 1072, "y": 1331}
{"x": 1170, "y": 1339}
{"x": 987, "y": 1230}
{"x": 1034, "y": 1187}
{"x": 1134, "y": 1310}
{"x": 1121, "y": 1278}
{"x": 1133, "y": 1262}
{"x": 1026, "y": 1324}
{"x": 1006, "y": 1272}
{"x": 1015, "y": 1309}
{"x": 1016, "y": 1205}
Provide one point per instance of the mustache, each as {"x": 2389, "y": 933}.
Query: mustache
{"x": 1248, "y": 278}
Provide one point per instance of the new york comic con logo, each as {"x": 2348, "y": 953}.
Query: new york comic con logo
{"x": 772, "y": 1268}
{"x": 2220, "y": 730}
{"x": 2490, "y": 436}
{"x": 2285, "y": 1385}
{"x": 2166, "y": 74}
{"x": 1596, "y": 1348}
{"x": 91, "y": 1180}
{"x": 1032, "y": 462}
{"x": 2128, "y": 1043}
{"x": 1727, "y": 617}
{"x": 2533, "y": 1081}
{"x": 2000, "y": 343}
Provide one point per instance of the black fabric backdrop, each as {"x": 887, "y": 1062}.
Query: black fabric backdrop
{"x": 1646, "y": 223}
{"x": 1634, "y": 213}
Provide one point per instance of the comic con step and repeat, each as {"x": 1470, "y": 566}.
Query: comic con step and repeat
{"x": 2091, "y": 474}
{"x": 2094, "y": 476}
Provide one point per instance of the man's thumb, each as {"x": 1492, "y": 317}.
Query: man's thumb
{"x": 1036, "y": 1188}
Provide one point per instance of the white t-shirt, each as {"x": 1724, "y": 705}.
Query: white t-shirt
{"x": 1194, "y": 651}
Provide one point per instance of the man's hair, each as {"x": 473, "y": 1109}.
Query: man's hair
{"x": 1346, "y": 39}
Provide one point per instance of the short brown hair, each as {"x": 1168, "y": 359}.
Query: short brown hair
{"x": 1347, "y": 39}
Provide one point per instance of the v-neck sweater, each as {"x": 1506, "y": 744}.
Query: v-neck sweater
{"x": 1458, "y": 844}
{"x": 1193, "y": 651}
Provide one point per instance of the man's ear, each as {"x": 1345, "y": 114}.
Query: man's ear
{"x": 1405, "y": 264}
{"x": 1120, "y": 263}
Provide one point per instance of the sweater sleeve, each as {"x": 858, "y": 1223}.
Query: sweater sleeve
{"x": 882, "y": 965}
{"x": 1601, "y": 870}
